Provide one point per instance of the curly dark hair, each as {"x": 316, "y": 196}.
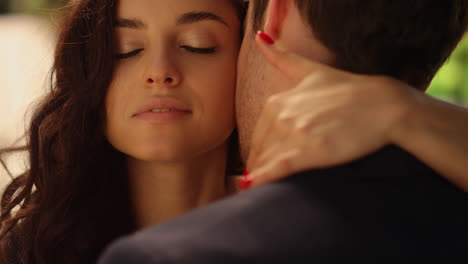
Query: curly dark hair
{"x": 73, "y": 199}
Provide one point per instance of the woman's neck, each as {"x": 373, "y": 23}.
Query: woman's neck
{"x": 161, "y": 191}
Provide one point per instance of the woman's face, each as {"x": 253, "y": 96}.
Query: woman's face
{"x": 172, "y": 93}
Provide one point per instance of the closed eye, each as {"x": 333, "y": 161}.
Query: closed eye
{"x": 209, "y": 50}
{"x": 121, "y": 56}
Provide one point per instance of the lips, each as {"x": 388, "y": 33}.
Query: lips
{"x": 163, "y": 105}
{"x": 162, "y": 110}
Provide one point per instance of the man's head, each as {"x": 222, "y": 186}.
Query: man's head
{"x": 405, "y": 39}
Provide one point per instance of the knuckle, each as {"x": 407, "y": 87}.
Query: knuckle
{"x": 306, "y": 125}
{"x": 285, "y": 119}
{"x": 303, "y": 127}
{"x": 274, "y": 101}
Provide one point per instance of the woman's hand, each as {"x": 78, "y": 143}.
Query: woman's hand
{"x": 331, "y": 117}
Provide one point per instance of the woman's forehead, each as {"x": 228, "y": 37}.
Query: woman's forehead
{"x": 164, "y": 8}
{"x": 150, "y": 15}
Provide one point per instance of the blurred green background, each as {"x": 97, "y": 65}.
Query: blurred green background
{"x": 34, "y": 7}
{"x": 451, "y": 83}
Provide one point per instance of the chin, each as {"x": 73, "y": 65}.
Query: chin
{"x": 166, "y": 153}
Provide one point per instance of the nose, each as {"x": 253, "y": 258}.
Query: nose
{"x": 162, "y": 72}
{"x": 167, "y": 81}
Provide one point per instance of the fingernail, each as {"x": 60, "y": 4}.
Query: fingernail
{"x": 267, "y": 39}
{"x": 246, "y": 172}
{"x": 245, "y": 183}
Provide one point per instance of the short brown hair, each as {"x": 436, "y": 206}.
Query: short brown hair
{"x": 405, "y": 39}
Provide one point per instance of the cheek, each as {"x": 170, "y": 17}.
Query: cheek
{"x": 214, "y": 84}
{"x": 118, "y": 96}
{"x": 115, "y": 99}
{"x": 113, "y": 102}
{"x": 215, "y": 88}
{"x": 122, "y": 91}
{"x": 221, "y": 88}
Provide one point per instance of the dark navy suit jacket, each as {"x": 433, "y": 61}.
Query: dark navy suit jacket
{"x": 385, "y": 208}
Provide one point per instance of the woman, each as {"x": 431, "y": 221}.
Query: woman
{"x": 135, "y": 130}
{"x": 153, "y": 113}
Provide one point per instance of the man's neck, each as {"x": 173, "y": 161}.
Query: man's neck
{"x": 164, "y": 190}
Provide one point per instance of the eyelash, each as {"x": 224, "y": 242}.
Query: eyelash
{"x": 122, "y": 56}
{"x": 187, "y": 48}
{"x": 210, "y": 50}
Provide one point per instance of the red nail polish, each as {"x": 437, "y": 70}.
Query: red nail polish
{"x": 245, "y": 183}
{"x": 246, "y": 172}
{"x": 267, "y": 39}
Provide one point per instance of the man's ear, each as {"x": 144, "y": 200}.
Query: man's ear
{"x": 275, "y": 15}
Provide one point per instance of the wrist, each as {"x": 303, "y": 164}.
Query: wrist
{"x": 407, "y": 109}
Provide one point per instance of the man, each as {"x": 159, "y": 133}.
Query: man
{"x": 387, "y": 207}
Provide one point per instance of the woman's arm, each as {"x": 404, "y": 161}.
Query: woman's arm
{"x": 437, "y": 133}
{"x": 332, "y": 117}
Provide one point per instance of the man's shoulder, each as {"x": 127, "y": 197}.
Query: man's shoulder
{"x": 388, "y": 197}
{"x": 127, "y": 250}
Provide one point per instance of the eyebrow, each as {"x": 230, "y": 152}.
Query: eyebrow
{"x": 193, "y": 17}
{"x": 184, "y": 19}
{"x": 133, "y": 23}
